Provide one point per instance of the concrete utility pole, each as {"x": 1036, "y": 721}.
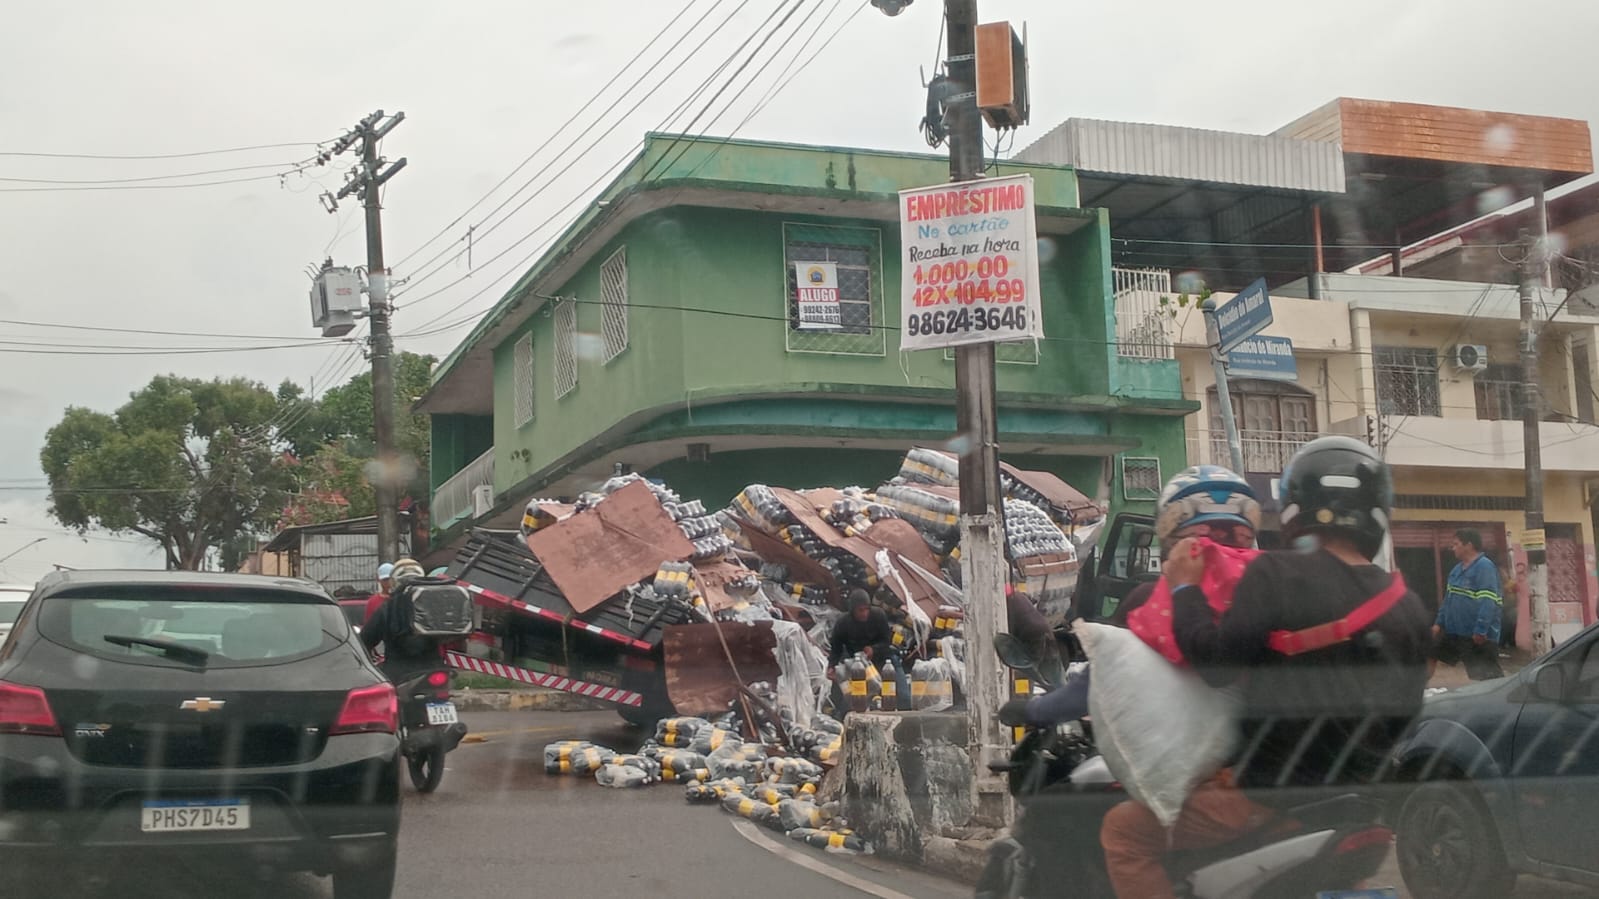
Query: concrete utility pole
{"x": 1532, "y": 265}
{"x": 365, "y": 181}
{"x": 982, "y": 523}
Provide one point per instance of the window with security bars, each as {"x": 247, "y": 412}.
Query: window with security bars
{"x": 613, "y": 294}
{"x": 565, "y": 348}
{"x": 1407, "y": 380}
{"x": 856, "y": 254}
{"x": 522, "y": 378}
{"x": 1141, "y": 478}
{"x": 1498, "y": 389}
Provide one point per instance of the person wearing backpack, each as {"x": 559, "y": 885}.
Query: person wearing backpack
{"x": 405, "y": 653}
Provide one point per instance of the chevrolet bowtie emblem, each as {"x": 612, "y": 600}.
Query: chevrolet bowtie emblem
{"x": 202, "y": 704}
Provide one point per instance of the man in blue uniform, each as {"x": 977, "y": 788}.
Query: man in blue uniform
{"x": 1467, "y": 628}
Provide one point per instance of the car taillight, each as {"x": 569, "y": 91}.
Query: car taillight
{"x": 24, "y": 710}
{"x": 439, "y": 678}
{"x": 1369, "y": 838}
{"x": 368, "y": 710}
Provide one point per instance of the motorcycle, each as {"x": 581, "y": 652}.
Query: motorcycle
{"x": 1064, "y": 789}
{"x": 429, "y": 727}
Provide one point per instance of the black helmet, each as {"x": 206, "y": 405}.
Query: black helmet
{"x": 1338, "y": 485}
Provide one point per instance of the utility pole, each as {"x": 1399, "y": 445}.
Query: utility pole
{"x": 366, "y": 181}
{"x": 982, "y": 522}
{"x": 1532, "y": 264}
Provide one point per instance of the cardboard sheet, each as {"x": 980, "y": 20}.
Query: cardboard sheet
{"x": 594, "y": 554}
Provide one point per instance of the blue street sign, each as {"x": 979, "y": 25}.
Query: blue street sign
{"x": 1271, "y": 358}
{"x": 1244, "y": 315}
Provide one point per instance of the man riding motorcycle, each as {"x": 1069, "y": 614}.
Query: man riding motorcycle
{"x": 1199, "y": 501}
{"x": 404, "y": 653}
{"x": 1330, "y": 649}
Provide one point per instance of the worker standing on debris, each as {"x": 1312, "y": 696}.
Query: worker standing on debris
{"x": 864, "y": 631}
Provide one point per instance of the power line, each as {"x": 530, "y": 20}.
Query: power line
{"x": 570, "y": 120}
{"x": 278, "y": 176}
{"x": 145, "y": 351}
{"x": 517, "y": 266}
{"x": 190, "y": 155}
{"x": 161, "y": 333}
{"x": 147, "y": 178}
{"x": 573, "y": 157}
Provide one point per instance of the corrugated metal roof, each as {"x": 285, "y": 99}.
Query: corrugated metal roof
{"x": 1190, "y": 154}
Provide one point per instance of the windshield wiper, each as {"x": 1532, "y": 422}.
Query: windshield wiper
{"x": 173, "y": 649}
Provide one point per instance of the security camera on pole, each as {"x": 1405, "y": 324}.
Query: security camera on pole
{"x": 971, "y": 280}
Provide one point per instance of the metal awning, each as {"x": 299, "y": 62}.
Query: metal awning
{"x": 1348, "y": 182}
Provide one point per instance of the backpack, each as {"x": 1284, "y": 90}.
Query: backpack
{"x": 433, "y": 607}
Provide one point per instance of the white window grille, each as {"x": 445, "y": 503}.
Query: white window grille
{"x": 522, "y": 363}
{"x": 1144, "y": 307}
{"x": 565, "y": 348}
{"x": 1407, "y": 380}
{"x": 1140, "y": 477}
{"x": 613, "y": 293}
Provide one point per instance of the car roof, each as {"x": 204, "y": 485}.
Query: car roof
{"x": 59, "y": 581}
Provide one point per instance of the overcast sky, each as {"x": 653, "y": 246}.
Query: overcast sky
{"x": 483, "y": 84}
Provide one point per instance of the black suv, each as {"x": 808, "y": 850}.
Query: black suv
{"x": 229, "y": 716}
{"x": 1508, "y": 780}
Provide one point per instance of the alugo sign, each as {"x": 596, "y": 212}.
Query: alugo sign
{"x": 970, "y": 264}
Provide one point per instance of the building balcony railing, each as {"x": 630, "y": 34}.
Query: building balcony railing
{"x": 1264, "y": 451}
{"x": 452, "y": 502}
{"x": 1144, "y": 325}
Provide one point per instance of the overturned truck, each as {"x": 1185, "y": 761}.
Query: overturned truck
{"x": 635, "y": 597}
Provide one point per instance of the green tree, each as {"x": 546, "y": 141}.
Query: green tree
{"x": 333, "y": 438}
{"x": 193, "y": 465}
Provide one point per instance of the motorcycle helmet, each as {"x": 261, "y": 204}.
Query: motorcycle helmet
{"x": 1204, "y": 493}
{"x": 1338, "y": 485}
{"x": 406, "y": 569}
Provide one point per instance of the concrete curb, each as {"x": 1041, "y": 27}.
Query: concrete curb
{"x": 532, "y": 700}
{"x": 961, "y": 860}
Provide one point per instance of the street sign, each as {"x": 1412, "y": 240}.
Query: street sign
{"x": 1244, "y": 315}
{"x": 1271, "y": 358}
{"x": 970, "y": 262}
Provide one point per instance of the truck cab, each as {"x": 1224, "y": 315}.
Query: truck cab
{"x": 1127, "y": 556}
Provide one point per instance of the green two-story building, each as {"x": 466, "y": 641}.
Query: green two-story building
{"x": 660, "y": 333}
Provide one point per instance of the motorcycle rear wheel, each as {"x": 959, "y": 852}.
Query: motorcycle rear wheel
{"x": 427, "y": 769}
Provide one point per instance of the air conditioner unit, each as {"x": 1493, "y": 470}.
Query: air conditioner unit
{"x": 1469, "y": 357}
{"x": 482, "y": 500}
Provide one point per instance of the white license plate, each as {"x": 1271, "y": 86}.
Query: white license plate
{"x": 441, "y": 713}
{"x": 182, "y": 815}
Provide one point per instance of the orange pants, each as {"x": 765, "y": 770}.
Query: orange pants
{"x": 1135, "y": 841}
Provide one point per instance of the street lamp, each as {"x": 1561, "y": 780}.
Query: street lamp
{"x": 34, "y": 542}
{"x": 891, "y": 7}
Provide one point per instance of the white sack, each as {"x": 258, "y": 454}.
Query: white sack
{"x": 1161, "y": 729}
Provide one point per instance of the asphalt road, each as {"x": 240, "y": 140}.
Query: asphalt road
{"x": 499, "y": 826}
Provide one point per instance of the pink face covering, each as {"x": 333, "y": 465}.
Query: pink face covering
{"x": 1224, "y": 566}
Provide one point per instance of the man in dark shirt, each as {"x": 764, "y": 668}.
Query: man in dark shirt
{"x": 1330, "y": 648}
{"x": 404, "y": 653}
{"x": 865, "y": 631}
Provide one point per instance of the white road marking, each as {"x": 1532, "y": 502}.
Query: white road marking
{"x": 752, "y": 833}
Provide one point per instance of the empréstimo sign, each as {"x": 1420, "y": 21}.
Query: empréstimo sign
{"x": 970, "y": 264}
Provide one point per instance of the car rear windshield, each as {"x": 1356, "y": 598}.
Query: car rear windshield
{"x": 10, "y": 609}
{"x": 185, "y": 627}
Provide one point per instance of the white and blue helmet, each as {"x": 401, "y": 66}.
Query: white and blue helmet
{"x": 1203, "y": 493}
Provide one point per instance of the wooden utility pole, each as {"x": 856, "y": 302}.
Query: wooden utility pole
{"x": 366, "y": 181}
